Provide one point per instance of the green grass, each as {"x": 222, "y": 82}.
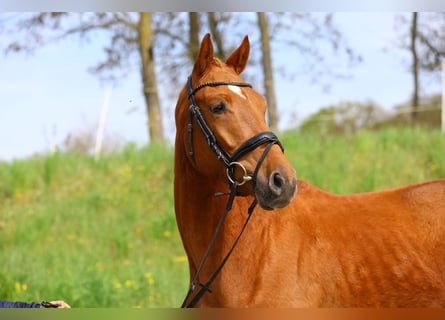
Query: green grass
{"x": 103, "y": 233}
{"x": 368, "y": 160}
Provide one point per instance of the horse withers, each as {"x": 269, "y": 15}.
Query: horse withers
{"x": 303, "y": 247}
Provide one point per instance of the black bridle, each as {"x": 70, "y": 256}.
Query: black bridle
{"x": 230, "y": 162}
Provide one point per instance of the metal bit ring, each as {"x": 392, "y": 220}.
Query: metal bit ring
{"x": 232, "y": 180}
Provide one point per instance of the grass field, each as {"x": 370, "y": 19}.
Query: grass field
{"x": 103, "y": 233}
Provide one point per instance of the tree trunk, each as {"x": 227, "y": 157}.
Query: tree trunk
{"x": 150, "y": 89}
{"x": 217, "y": 39}
{"x": 415, "y": 67}
{"x": 267, "y": 70}
{"x": 193, "y": 35}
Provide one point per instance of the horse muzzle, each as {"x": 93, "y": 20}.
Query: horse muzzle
{"x": 275, "y": 190}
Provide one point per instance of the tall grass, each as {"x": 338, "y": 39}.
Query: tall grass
{"x": 94, "y": 233}
{"x": 368, "y": 160}
{"x": 103, "y": 233}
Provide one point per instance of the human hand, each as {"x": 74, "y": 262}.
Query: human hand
{"x": 55, "y": 304}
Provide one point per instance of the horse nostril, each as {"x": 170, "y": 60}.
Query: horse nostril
{"x": 276, "y": 182}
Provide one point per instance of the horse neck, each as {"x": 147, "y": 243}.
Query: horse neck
{"x": 197, "y": 208}
{"x": 194, "y": 191}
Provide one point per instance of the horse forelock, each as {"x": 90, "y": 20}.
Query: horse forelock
{"x": 215, "y": 70}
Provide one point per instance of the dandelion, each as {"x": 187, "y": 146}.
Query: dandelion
{"x": 154, "y": 297}
{"x": 178, "y": 259}
{"x": 117, "y": 284}
{"x": 167, "y": 233}
{"x": 149, "y": 277}
{"x": 130, "y": 283}
{"x": 20, "y": 287}
{"x": 126, "y": 171}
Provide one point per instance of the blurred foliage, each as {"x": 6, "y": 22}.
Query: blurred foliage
{"x": 349, "y": 117}
{"x": 344, "y": 118}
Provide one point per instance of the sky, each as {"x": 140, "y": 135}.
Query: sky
{"x": 50, "y": 94}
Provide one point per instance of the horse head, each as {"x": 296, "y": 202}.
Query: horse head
{"x": 220, "y": 122}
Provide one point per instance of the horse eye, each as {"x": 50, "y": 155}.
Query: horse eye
{"x": 218, "y": 108}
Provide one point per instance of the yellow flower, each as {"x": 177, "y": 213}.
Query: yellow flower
{"x": 19, "y": 287}
{"x": 180, "y": 259}
{"x": 126, "y": 171}
{"x": 149, "y": 277}
{"x": 117, "y": 284}
{"x": 71, "y": 237}
{"x": 129, "y": 283}
{"x": 167, "y": 234}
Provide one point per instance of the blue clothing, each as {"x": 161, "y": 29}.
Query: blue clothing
{"x": 18, "y": 304}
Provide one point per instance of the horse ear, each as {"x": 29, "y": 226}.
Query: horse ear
{"x": 238, "y": 59}
{"x": 205, "y": 56}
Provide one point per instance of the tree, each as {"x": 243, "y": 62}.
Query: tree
{"x": 268, "y": 70}
{"x": 194, "y": 35}
{"x": 426, "y": 47}
{"x": 307, "y": 35}
{"x": 213, "y": 21}
{"x": 138, "y": 40}
{"x": 145, "y": 37}
{"x": 197, "y": 23}
{"x": 318, "y": 45}
{"x": 415, "y": 65}
{"x": 129, "y": 33}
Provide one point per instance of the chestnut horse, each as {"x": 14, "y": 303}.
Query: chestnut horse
{"x": 303, "y": 247}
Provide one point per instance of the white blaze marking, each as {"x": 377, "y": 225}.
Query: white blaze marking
{"x": 237, "y": 90}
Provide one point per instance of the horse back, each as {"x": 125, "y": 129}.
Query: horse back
{"x": 374, "y": 249}
{"x": 427, "y": 198}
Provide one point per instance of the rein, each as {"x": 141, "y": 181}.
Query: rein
{"x": 230, "y": 162}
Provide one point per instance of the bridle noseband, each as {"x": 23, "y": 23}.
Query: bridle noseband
{"x": 229, "y": 161}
